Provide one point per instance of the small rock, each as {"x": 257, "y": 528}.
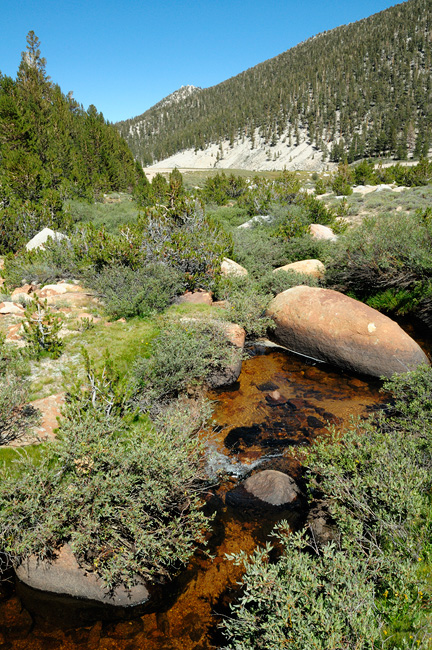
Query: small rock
{"x": 22, "y": 292}
{"x": 42, "y": 237}
{"x": 63, "y": 575}
{"x": 58, "y": 289}
{"x": 15, "y": 621}
{"x": 229, "y": 267}
{"x": 199, "y": 297}
{"x": 50, "y": 408}
{"x": 322, "y": 232}
{"x": 11, "y": 308}
{"x": 120, "y": 320}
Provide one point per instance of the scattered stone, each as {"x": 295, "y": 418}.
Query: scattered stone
{"x": 223, "y": 304}
{"x": 229, "y": 267}
{"x": 314, "y": 268}
{"x": 50, "y": 408}
{"x": 11, "y": 308}
{"x": 272, "y": 487}
{"x": 22, "y": 293}
{"x": 14, "y": 332}
{"x": 256, "y": 221}
{"x": 331, "y": 327}
{"x": 42, "y": 237}
{"x": 199, "y": 297}
{"x": 63, "y": 575}
{"x": 322, "y": 232}
{"x": 274, "y": 398}
{"x": 59, "y": 289}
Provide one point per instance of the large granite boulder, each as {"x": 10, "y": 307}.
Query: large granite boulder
{"x": 314, "y": 268}
{"x": 64, "y": 576}
{"x": 329, "y": 326}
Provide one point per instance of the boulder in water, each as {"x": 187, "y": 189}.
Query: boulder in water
{"x": 64, "y": 576}
{"x": 272, "y": 487}
{"x": 336, "y": 329}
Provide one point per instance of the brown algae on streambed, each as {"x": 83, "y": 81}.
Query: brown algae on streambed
{"x": 280, "y": 401}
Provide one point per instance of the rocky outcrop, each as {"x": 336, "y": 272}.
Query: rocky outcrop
{"x": 42, "y": 237}
{"x": 64, "y": 576}
{"x": 331, "y": 327}
{"x": 322, "y": 232}
{"x": 229, "y": 267}
{"x": 7, "y": 308}
{"x": 314, "y": 268}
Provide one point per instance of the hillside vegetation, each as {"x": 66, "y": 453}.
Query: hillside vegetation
{"x": 51, "y": 149}
{"x": 363, "y": 89}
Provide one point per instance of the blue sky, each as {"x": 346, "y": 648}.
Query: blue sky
{"x": 123, "y": 57}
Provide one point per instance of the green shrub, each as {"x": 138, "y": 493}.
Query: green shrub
{"x": 183, "y": 355}
{"x": 41, "y": 329}
{"x": 387, "y": 259}
{"x": 247, "y": 304}
{"x": 302, "y": 601}
{"x": 125, "y": 498}
{"x": 282, "y": 280}
{"x": 141, "y": 292}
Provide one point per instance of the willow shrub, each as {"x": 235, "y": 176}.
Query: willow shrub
{"x": 183, "y": 356}
{"x": 126, "y": 497}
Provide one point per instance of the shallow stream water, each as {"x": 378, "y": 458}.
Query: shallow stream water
{"x": 280, "y": 401}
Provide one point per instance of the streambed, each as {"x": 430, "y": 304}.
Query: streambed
{"x": 280, "y": 401}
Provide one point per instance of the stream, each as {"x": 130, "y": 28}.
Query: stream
{"x": 280, "y": 401}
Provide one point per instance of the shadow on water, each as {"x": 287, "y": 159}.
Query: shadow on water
{"x": 279, "y": 402}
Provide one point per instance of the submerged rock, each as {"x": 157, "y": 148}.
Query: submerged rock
{"x": 336, "y": 329}
{"x": 64, "y": 576}
{"x": 272, "y": 487}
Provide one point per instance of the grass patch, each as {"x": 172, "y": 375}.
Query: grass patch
{"x": 110, "y": 215}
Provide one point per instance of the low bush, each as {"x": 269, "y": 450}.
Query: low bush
{"x": 247, "y": 304}
{"x": 122, "y": 491}
{"x": 282, "y": 280}
{"x": 183, "y": 355}
{"x": 127, "y": 292}
{"x": 386, "y": 260}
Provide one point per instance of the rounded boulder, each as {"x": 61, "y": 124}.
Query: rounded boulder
{"x": 331, "y": 327}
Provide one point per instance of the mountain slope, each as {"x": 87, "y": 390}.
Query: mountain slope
{"x": 361, "y": 89}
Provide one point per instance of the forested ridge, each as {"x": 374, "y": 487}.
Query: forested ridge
{"x": 51, "y": 149}
{"x": 363, "y": 89}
